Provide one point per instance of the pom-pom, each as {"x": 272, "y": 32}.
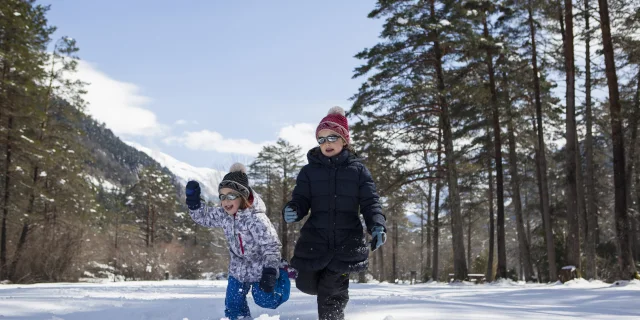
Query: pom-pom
{"x": 238, "y": 167}
{"x": 336, "y": 110}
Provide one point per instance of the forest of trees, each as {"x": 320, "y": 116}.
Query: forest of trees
{"x": 496, "y": 113}
{"x": 59, "y": 220}
{"x": 494, "y": 144}
{"x": 502, "y": 137}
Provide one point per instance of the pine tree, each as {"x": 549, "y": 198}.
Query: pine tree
{"x": 592, "y": 228}
{"x": 152, "y": 201}
{"x": 278, "y": 166}
{"x": 573, "y": 240}
{"x": 541, "y": 161}
{"x": 627, "y": 266}
{"x": 486, "y": 9}
{"x": 416, "y": 35}
{"x": 24, "y": 34}
{"x": 523, "y": 243}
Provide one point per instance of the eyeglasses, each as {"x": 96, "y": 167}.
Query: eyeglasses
{"x": 331, "y": 138}
{"x": 229, "y": 196}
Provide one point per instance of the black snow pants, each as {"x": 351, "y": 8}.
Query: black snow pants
{"x": 332, "y": 289}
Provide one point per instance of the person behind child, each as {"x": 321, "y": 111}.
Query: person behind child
{"x": 335, "y": 186}
{"x": 253, "y": 243}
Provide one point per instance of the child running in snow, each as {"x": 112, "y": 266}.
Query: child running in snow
{"x": 253, "y": 243}
{"x": 336, "y": 186}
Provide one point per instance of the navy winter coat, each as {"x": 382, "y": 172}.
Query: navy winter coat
{"x": 335, "y": 189}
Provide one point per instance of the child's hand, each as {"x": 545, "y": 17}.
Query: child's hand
{"x": 378, "y": 237}
{"x": 193, "y": 195}
{"x": 290, "y": 214}
{"x": 268, "y": 280}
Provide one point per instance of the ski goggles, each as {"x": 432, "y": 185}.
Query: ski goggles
{"x": 229, "y": 196}
{"x": 331, "y": 138}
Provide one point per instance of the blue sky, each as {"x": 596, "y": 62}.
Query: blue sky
{"x": 210, "y": 82}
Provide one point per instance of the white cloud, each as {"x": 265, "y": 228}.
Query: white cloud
{"x": 118, "y": 104}
{"x": 213, "y": 141}
{"x": 300, "y": 134}
{"x": 183, "y": 122}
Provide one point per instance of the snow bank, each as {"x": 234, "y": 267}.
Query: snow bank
{"x": 506, "y": 283}
{"x": 199, "y": 299}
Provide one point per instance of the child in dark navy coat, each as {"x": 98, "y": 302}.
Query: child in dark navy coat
{"x": 336, "y": 186}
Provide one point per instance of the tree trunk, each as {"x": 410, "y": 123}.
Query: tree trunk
{"x": 394, "y": 258}
{"x": 429, "y": 227}
{"x": 573, "y": 234}
{"x": 270, "y": 198}
{"x": 502, "y": 251}
{"x": 436, "y": 213}
{"x": 634, "y": 237}
{"x": 592, "y": 222}
{"x": 631, "y": 150}
{"x": 636, "y": 232}
{"x": 4, "y": 272}
{"x": 396, "y": 246}
{"x": 582, "y": 206}
{"x": 469, "y": 238}
{"x": 625, "y": 259}
{"x": 421, "y": 231}
{"x": 19, "y": 250}
{"x": 636, "y": 219}
{"x": 541, "y": 160}
{"x": 526, "y": 203}
{"x": 523, "y": 243}
{"x": 457, "y": 230}
{"x": 631, "y": 155}
{"x": 25, "y": 226}
{"x": 489, "y": 274}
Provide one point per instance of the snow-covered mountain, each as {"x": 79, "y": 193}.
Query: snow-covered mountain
{"x": 207, "y": 177}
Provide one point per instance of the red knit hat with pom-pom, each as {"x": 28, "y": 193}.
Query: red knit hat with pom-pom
{"x": 335, "y": 121}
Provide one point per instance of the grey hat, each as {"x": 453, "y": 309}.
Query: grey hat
{"x": 237, "y": 180}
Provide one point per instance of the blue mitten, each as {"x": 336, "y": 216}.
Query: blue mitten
{"x": 268, "y": 279}
{"x": 193, "y": 195}
{"x": 290, "y": 213}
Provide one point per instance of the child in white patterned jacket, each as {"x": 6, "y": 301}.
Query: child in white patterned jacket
{"x": 254, "y": 246}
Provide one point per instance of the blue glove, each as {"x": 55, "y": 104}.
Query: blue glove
{"x": 193, "y": 195}
{"x": 290, "y": 213}
{"x": 378, "y": 237}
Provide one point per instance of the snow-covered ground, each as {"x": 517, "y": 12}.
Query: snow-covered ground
{"x": 182, "y": 299}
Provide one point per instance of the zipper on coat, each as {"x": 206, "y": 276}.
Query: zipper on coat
{"x": 234, "y": 231}
{"x": 241, "y": 245}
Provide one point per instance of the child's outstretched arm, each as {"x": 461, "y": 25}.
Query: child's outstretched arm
{"x": 301, "y": 196}
{"x": 370, "y": 201}
{"x": 199, "y": 211}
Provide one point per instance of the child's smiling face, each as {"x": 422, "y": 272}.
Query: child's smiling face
{"x": 230, "y": 206}
{"x": 328, "y": 148}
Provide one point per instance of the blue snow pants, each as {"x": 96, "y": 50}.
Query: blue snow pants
{"x": 236, "y": 300}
